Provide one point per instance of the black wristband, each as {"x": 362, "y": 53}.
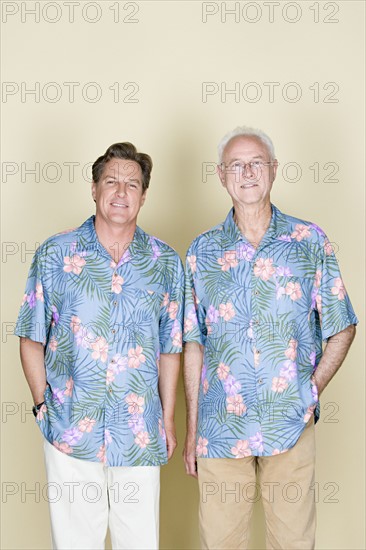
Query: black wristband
{"x": 36, "y": 408}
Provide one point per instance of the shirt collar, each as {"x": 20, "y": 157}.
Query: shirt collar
{"x": 276, "y": 227}
{"x": 87, "y": 240}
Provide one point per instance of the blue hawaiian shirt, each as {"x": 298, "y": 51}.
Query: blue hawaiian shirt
{"x": 104, "y": 326}
{"x": 261, "y": 315}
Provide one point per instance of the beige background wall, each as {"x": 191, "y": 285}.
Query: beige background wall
{"x": 172, "y": 67}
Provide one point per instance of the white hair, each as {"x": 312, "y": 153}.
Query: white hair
{"x": 250, "y": 132}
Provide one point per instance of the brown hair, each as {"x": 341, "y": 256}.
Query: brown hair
{"x": 128, "y": 151}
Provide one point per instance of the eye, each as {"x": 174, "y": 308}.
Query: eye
{"x": 132, "y": 185}
{"x": 110, "y": 182}
{"x": 235, "y": 166}
{"x": 255, "y": 164}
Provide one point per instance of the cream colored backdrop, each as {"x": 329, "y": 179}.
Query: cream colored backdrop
{"x": 173, "y": 77}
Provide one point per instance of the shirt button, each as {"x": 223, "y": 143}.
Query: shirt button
{"x": 113, "y": 331}
{"x": 256, "y": 292}
{"x": 257, "y": 351}
{"x": 260, "y": 381}
{"x": 110, "y": 390}
{"x": 256, "y": 322}
{"x": 115, "y": 302}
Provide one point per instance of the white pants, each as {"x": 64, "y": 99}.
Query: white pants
{"x": 86, "y": 497}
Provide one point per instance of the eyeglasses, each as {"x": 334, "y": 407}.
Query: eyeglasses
{"x": 240, "y": 167}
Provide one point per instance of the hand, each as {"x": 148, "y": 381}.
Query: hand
{"x": 189, "y": 455}
{"x": 171, "y": 439}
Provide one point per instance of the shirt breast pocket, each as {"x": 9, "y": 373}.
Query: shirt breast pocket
{"x": 147, "y": 304}
{"x": 293, "y": 295}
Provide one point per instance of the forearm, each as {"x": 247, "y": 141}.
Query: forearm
{"x": 168, "y": 380}
{"x": 333, "y": 356}
{"x": 32, "y": 359}
{"x": 193, "y": 360}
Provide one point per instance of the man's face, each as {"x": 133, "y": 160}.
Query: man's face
{"x": 118, "y": 193}
{"x": 245, "y": 173}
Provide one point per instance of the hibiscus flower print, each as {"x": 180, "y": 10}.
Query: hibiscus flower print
{"x": 72, "y": 436}
{"x": 75, "y": 324}
{"x": 245, "y": 251}
{"x": 86, "y": 424}
{"x": 136, "y": 423}
{"x": 142, "y": 439}
{"x": 53, "y": 344}
{"x": 318, "y": 278}
{"x": 201, "y": 448}
{"x": 58, "y": 395}
{"x": 231, "y": 385}
{"x": 177, "y": 339}
{"x": 192, "y": 260}
{"x": 39, "y": 292}
{"x": 83, "y": 338}
{"x": 31, "y": 299}
{"x": 63, "y": 447}
{"x": 223, "y": 371}
{"x": 228, "y": 261}
{"x": 328, "y": 248}
{"x": 69, "y": 387}
{"x": 226, "y": 311}
{"x": 288, "y": 370}
{"x": 135, "y": 403}
{"x": 235, "y": 405}
{"x": 100, "y": 349}
{"x": 117, "y": 282}
{"x": 173, "y": 310}
{"x": 74, "y": 264}
{"x": 338, "y": 289}
{"x": 293, "y": 290}
{"x": 242, "y": 449}
{"x": 279, "y": 384}
{"x": 291, "y": 351}
{"x": 136, "y": 357}
{"x": 101, "y": 454}
{"x": 264, "y": 269}
{"x": 301, "y": 232}
{"x": 41, "y": 412}
{"x": 256, "y": 442}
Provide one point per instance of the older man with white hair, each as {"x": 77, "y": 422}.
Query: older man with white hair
{"x": 263, "y": 291}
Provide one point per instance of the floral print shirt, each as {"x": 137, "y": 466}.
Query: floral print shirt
{"x": 104, "y": 326}
{"x": 261, "y": 315}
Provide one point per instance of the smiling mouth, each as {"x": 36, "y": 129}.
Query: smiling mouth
{"x": 119, "y": 205}
{"x": 248, "y": 185}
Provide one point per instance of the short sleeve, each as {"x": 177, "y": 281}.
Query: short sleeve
{"x": 33, "y": 320}
{"x": 195, "y": 329}
{"x": 331, "y": 299}
{"x": 171, "y": 313}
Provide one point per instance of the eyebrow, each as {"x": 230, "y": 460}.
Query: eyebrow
{"x": 129, "y": 179}
{"x": 253, "y": 158}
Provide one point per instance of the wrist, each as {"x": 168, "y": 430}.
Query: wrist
{"x": 36, "y": 408}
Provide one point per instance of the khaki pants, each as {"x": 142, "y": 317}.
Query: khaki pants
{"x": 229, "y": 487}
{"x": 86, "y": 498}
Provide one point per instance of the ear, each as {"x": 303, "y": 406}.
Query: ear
{"x": 221, "y": 175}
{"x": 94, "y": 190}
{"x": 274, "y": 169}
{"x": 143, "y": 198}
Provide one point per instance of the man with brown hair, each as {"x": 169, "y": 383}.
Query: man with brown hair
{"x": 101, "y": 336}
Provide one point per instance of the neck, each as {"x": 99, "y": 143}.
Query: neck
{"x": 253, "y": 220}
{"x": 114, "y": 238}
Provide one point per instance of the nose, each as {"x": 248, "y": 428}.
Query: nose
{"x": 121, "y": 189}
{"x": 248, "y": 170}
